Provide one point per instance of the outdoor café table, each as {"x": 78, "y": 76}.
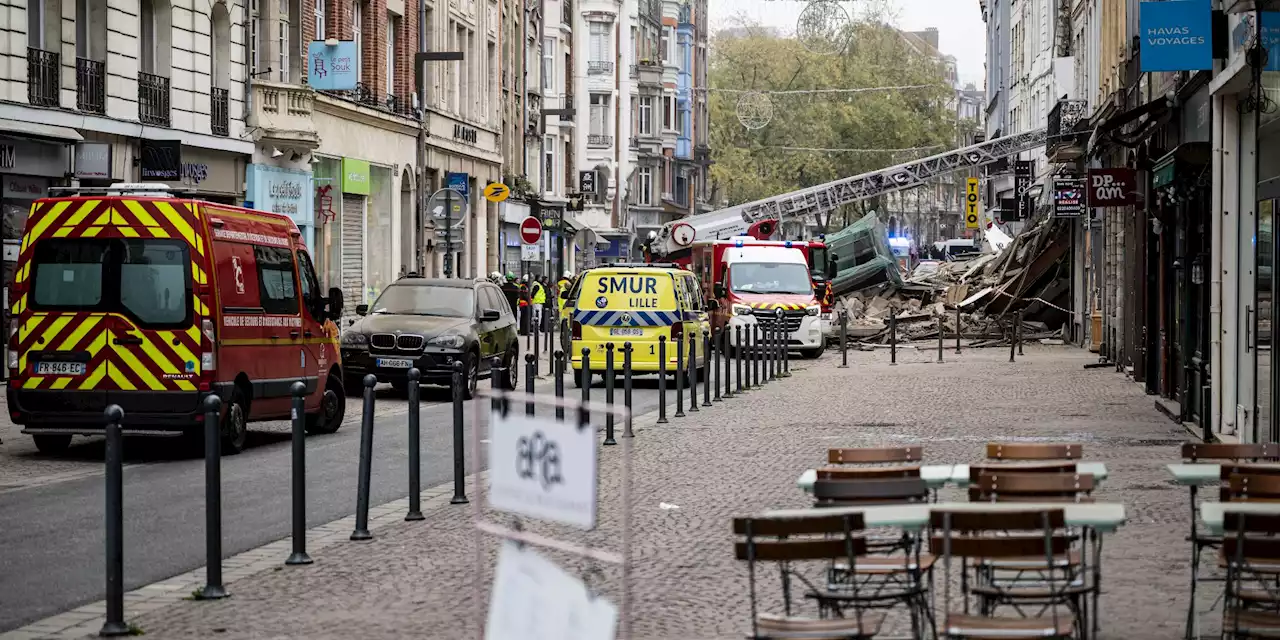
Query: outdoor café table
{"x": 1211, "y": 513}
{"x": 1098, "y": 517}
{"x": 935, "y": 476}
{"x": 960, "y": 476}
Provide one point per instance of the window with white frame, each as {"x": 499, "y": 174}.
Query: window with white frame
{"x": 548, "y": 65}
{"x": 598, "y": 43}
{"x": 549, "y": 165}
{"x": 668, "y": 45}
{"x": 599, "y": 114}
{"x": 392, "y": 23}
{"x": 357, "y": 36}
{"x": 646, "y": 115}
{"x": 668, "y": 113}
{"x": 644, "y": 186}
{"x": 321, "y": 8}
{"x": 282, "y": 41}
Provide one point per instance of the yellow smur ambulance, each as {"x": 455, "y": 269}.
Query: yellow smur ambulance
{"x": 639, "y": 304}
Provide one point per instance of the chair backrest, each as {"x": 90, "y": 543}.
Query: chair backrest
{"x": 1253, "y": 488}
{"x": 868, "y": 473}
{"x": 1195, "y": 451}
{"x": 870, "y": 491}
{"x": 875, "y": 455}
{"x": 1033, "y": 451}
{"x": 1032, "y": 487}
{"x": 986, "y": 534}
{"x": 976, "y": 471}
{"x": 1246, "y": 469}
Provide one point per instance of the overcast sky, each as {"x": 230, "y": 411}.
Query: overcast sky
{"x": 959, "y": 23}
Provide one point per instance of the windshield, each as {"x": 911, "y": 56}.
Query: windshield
{"x": 770, "y": 277}
{"x": 418, "y": 300}
{"x": 147, "y": 280}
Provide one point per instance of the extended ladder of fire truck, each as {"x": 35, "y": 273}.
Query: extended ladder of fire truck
{"x": 739, "y": 220}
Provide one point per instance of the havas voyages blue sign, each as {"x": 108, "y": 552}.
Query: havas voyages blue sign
{"x": 1176, "y": 35}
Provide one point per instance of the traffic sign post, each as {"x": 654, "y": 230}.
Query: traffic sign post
{"x": 450, "y": 206}
{"x": 972, "y": 204}
{"x": 530, "y": 230}
{"x": 497, "y": 192}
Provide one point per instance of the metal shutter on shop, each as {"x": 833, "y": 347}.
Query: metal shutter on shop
{"x": 352, "y": 252}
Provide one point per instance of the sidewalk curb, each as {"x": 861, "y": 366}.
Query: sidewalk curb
{"x": 88, "y": 619}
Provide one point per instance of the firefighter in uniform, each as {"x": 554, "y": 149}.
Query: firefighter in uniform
{"x": 538, "y": 299}
{"x": 562, "y": 287}
{"x": 511, "y": 290}
{"x": 524, "y": 305}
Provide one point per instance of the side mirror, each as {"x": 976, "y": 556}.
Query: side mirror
{"x": 489, "y": 315}
{"x": 335, "y": 303}
{"x": 719, "y": 290}
{"x": 831, "y": 267}
{"x": 362, "y": 309}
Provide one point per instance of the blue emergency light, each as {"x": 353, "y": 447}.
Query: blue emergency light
{"x": 788, "y": 245}
{"x": 738, "y": 243}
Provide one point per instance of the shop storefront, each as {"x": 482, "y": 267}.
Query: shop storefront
{"x": 285, "y": 191}
{"x": 216, "y": 176}
{"x": 27, "y": 169}
{"x": 461, "y": 153}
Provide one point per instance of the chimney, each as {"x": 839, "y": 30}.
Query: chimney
{"x": 931, "y": 36}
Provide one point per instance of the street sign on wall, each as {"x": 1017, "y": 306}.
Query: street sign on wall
{"x": 1175, "y": 36}
{"x": 972, "y": 204}
{"x": 1023, "y": 173}
{"x": 461, "y": 183}
{"x": 1112, "y": 187}
{"x": 1068, "y": 196}
{"x": 332, "y": 68}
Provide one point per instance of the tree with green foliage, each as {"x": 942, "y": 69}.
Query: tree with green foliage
{"x": 751, "y": 164}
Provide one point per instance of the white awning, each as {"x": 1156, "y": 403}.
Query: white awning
{"x": 31, "y": 129}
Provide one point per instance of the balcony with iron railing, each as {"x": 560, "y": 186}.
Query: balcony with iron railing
{"x": 599, "y": 67}
{"x": 153, "y": 99}
{"x": 91, "y": 85}
{"x": 1064, "y": 134}
{"x": 599, "y": 140}
{"x": 366, "y": 96}
{"x": 44, "y": 70}
{"x": 220, "y": 111}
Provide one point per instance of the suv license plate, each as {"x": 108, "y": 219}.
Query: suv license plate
{"x": 631, "y": 331}
{"x": 393, "y": 363}
{"x": 59, "y": 368}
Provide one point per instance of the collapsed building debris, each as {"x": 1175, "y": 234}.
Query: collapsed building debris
{"x": 1027, "y": 274}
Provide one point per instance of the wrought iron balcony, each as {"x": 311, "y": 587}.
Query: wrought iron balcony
{"x": 220, "y": 100}
{"x": 365, "y": 95}
{"x": 91, "y": 85}
{"x": 599, "y": 67}
{"x": 599, "y": 140}
{"x": 153, "y": 99}
{"x": 44, "y": 69}
{"x": 1064, "y": 140}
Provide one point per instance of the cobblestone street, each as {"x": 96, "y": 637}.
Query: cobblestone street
{"x": 737, "y": 458}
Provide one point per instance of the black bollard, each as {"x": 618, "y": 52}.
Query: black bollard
{"x": 662, "y": 379}
{"x": 114, "y": 476}
{"x": 893, "y": 336}
{"x": 537, "y": 353}
{"x": 1013, "y": 342}
{"x": 627, "y": 349}
{"x": 716, "y": 351}
{"x": 559, "y": 365}
{"x": 693, "y": 373}
{"x": 786, "y": 354}
{"x": 530, "y": 372}
{"x": 706, "y": 368}
{"x": 680, "y": 376}
{"x": 551, "y": 340}
{"x": 459, "y": 437}
{"x": 584, "y": 415}
{"x": 939, "y": 339}
{"x": 844, "y": 339}
{"x": 957, "y": 328}
{"x": 361, "y": 531}
{"x": 213, "y": 588}
{"x": 773, "y": 353}
{"x": 299, "y": 476}
{"x": 739, "y": 351}
{"x": 415, "y": 447}
{"x": 727, "y": 350}
{"x": 608, "y": 393}
{"x": 755, "y": 356}
{"x": 1019, "y": 333}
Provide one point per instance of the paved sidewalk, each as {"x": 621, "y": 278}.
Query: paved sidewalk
{"x": 739, "y": 457}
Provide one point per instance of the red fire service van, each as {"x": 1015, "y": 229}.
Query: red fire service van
{"x": 130, "y": 296}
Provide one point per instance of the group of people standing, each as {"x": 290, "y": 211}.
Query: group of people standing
{"x": 532, "y": 297}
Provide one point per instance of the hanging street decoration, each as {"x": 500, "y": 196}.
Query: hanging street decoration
{"x": 823, "y": 27}
{"x": 755, "y": 110}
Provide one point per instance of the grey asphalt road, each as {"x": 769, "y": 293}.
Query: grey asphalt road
{"x": 51, "y": 539}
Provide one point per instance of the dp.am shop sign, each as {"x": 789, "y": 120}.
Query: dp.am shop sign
{"x": 1116, "y": 187}
{"x": 1176, "y": 35}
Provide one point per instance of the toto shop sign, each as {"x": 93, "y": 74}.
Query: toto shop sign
{"x": 1112, "y": 187}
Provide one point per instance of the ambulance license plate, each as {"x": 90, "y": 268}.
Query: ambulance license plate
{"x": 47, "y": 368}
{"x": 394, "y": 363}
{"x": 626, "y": 331}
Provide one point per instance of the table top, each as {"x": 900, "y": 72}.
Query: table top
{"x": 1211, "y": 513}
{"x": 1103, "y": 516}
{"x": 936, "y": 476}
{"x": 1199, "y": 474}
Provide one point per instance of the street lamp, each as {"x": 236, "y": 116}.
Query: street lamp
{"x": 418, "y": 60}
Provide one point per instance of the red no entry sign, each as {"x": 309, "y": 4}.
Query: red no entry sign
{"x": 530, "y": 230}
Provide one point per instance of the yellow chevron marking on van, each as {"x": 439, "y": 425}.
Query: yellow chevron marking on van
{"x": 93, "y": 379}
{"x": 47, "y": 219}
{"x": 180, "y": 223}
{"x": 79, "y": 332}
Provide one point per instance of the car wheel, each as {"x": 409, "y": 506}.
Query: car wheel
{"x": 51, "y": 445}
{"x": 235, "y": 424}
{"x": 811, "y": 354}
{"x": 333, "y": 409}
{"x": 472, "y": 380}
{"x": 511, "y": 363}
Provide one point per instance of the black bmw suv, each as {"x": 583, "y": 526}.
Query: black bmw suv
{"x": 430, "y": 324}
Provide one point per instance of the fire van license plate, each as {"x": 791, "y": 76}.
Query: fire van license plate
{"x": 59, "y": 368}
{"x": 629, "y": 331}
{"x": 393, "y": 363}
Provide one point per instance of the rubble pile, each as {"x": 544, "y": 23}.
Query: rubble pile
{"x": 1027, "y": 275}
